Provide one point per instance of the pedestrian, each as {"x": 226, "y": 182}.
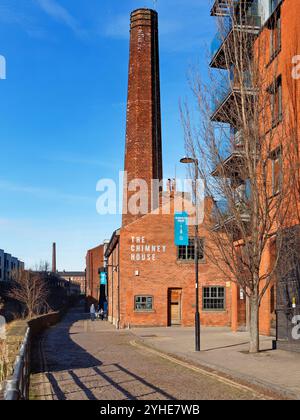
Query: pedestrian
{"x": 101, "y": 314}
{"x": 105, "y": 308}
{"x": 93, "y": 312}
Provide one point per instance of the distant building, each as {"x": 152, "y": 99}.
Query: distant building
{"x": 9, "y": 265}
{"x": 75, "y": 279}
{"x": 1, "y": 265}
{"x": 95, "y": 263}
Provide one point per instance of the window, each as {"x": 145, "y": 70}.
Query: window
{"x": 187, "y": 253}
{"x": 276, "y": 159}
{"x": 273, "y": 5}
{"x": 213, "y": 298}
{"x": 143, "y": 303}
{"x": 276, "y": 101}
{"x": 275, "y": 36}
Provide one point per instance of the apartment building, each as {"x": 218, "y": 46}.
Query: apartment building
{"x": 268, "y": 28}
{"x": 9, "y": 265}
{"x": 1, "y": 265}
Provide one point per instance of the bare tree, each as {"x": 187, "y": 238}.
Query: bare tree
{"x": 42, "y": 267}
{"x": 240, "y": 138}
{"x": 31, "y": 290}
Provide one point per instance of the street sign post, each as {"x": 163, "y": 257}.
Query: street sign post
{"x": 103, "y": 278}
{"x": 181, "y": 229}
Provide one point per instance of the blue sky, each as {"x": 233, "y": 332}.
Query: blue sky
{"x": 63, "y": 114}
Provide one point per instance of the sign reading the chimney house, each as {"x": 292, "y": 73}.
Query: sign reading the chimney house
{"x": 142, "y": 250}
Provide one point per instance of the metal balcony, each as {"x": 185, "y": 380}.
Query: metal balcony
{"x": 227, "y": 101}
{"x": 228, "y": 222}
{"x": 223, "y": 8}
{"x": 232, "y": 165}
{"x": 222, "y": 43}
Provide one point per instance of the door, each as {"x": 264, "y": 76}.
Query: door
{"x": 174, "y": 306}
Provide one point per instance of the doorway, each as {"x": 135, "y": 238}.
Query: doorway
{"x": 174, "y": 307}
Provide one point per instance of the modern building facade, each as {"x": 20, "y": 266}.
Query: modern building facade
{"x": 1, "y": 265}
{"x": 9, "y": 266}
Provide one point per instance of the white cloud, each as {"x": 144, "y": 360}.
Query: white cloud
{"x": 60, "y": 14}
{"x": 42, "y": 193}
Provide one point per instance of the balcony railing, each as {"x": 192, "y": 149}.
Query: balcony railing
{"x": 238, "y": 141}
{"x": 224, "y": 38}
{"x": 227, "y": 7}
{"x": 225, "y": 101}
{"x": 225, "y": 220}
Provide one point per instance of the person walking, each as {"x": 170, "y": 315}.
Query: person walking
{"x": 101, "y": 314}
{"x": 105, "y": 310}
{"x": 92, "y": 312}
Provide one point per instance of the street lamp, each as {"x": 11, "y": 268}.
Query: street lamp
{"x": 189, "y": 160}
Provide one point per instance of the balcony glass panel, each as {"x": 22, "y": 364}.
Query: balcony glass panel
{"x": 227, "y": 87}
{"x": 250, "y": 20}
{"x": 274, "y": 4}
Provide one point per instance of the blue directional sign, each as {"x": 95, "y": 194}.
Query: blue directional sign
{"x": 181, "y": 229}
{"x": 103, "y": 278}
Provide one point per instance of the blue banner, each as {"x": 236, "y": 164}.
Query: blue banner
{"x": 181, "y": 229}
{"x": 103, "y": 278}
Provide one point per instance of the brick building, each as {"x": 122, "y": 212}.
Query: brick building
{"x": 273, "y": 35}
{"x": 95, "y": 263}
{"x": 76, "y": 278}
{"x": 151, "y": 282}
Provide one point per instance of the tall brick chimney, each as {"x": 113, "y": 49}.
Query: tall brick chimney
{"x": 143, "y": 154}
{"x": 54, "y": 257}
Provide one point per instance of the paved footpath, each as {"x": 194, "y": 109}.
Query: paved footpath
{"x": 79, "y": 359}
{"x": 270, "y": 370}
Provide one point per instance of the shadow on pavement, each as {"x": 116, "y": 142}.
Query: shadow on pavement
{"x": 70, "y": 369}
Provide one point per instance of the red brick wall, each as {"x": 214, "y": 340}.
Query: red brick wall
{"x": 94, "y": 261}
{"x": 143, "y": 154}
{"x": 113, "y": 287}
{"x": 157, "y": 277}
{"x": 290, "y": 127}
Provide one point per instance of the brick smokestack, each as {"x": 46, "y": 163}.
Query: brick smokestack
{"x": 54, "y": 257}
{"x": 143, "y": 154}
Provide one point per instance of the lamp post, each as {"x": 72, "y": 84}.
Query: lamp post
{"x": 188, "y": 160}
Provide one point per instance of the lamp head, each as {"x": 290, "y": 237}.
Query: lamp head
{"x": 187, "y": 160}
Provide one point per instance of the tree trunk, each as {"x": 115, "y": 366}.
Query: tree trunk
{"x": 254, "y": 324}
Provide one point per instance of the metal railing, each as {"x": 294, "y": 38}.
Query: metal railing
{"x": 230, "y": 85}
{"x": 245, "y": 23}
{"x": 17, "y": 388}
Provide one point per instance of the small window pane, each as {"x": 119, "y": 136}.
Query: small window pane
{"x": 213, "y": 298}
{"x": 143, "y": 303}
{"x": 188, "y": 252}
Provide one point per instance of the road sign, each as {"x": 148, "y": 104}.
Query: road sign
{"x": 181, "y": 229}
